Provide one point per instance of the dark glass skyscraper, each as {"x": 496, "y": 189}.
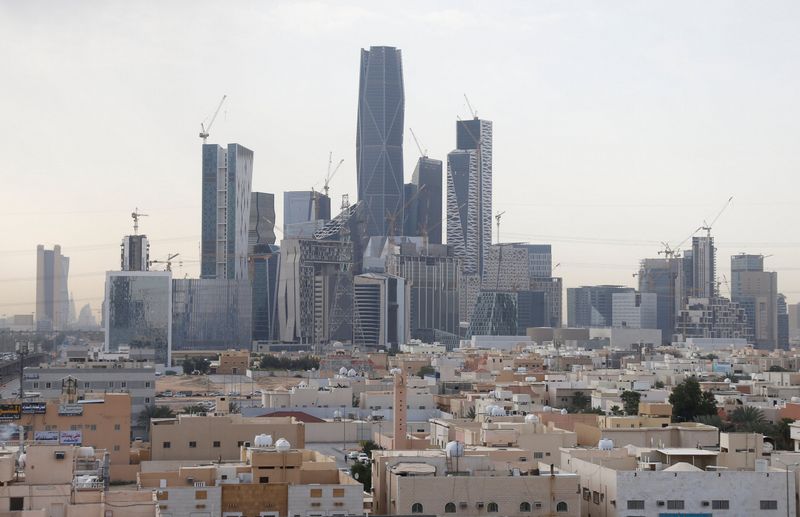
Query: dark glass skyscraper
{"x": 379, "y": 139}
{"x": 428, "y": 179}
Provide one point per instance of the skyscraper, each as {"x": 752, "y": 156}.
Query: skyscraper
{"x": 379, "y": 139}
{"x": 135, "y": 253}
{"x": 227, "y": 176}
{"x": 756, "y": 291}
{"x": 469, "y": 193}
{"x": 262, "y": 219}
{"x": 52, "y": 293}
{"x": 263, "y": 266}
{"x": 592, "y": 306}
{"x": 428, "y": 179}
{"x": 665, "y": 278}
{"x": 304, "y": 212}
{"x": 704, "y": 267}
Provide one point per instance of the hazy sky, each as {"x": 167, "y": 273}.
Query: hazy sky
{"x": 616, "y": 124}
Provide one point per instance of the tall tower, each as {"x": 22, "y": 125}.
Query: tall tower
{"x": 227, "y": 177}
{"x": 428, "y": 179}
{"x": 704, "y": 272}
{"x": 135, "y": 253}
{"x": 52, "y": 292}
{"x": 469, "y": 193}
{"x": 379, "y": 138}
{"x": 400, "y": 416}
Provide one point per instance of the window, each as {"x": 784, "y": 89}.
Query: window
{"x": 93, "y": 427}
{"x": 17, "y": 504}
{"x": 636, "y": 504}
{"x": 86, "y": 385}
{"x": 525, "y": 506}
{"x": 192, "y": 445}
{"x": 263, "y": 479}
{"x": 338, "y": 492}
{"x": 538, "y": 455}
{"x": 587, "y": 494}
{"x": 416, "y": 508}
{"x": 116, "y": 447}
{"x": 166, "y": 445}
{"x": 769, "y": 505}
{"x": 147, "y": 384}
{"x": 36, "y": 385}
{"x": 216, "y": 444}
{"x": 117, "y": 427}
{"x": 562, "y": 507}
{"x": 162, "y": 495}
{"x": 492, "y": 508}
{"x": 450, "y": 508}
{"x": 147, "y": 400}
{"x": 316, "y": 492}
{"x": 675, "y": 504}
{"x": 720, "y": 504}
{"x": 596, "y": 497}
{"x": 201, "y": 494}
{"x": 239, "y": 443}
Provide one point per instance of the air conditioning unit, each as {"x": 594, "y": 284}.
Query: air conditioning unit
{"x": 479, "y": 504}
{"x": 659, "y": 503}
{"x": 706, "y": 503}
{"x": 60, "y": 455}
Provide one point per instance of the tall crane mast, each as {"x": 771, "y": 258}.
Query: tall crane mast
{"x": 422, "y": 153}
{"x": 135, "y": 215}
{"x": 471, "y": 110}
{"x": 707, "y": 226}
{"x": 168, "y": 262}
{"x": 497, "y": 218}
{"x": 205, "y": 130}
{"x": 331, "y": 172}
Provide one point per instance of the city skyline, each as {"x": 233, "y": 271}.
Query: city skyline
{"x": 587, "y": 155}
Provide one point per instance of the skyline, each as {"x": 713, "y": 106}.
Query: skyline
{"x": 592, "y": 135}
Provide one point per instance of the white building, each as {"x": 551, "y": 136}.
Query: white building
{"x": 634, "y": 310}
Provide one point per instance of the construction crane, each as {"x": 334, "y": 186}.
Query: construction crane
{"x": 331, "y": 173}
{"x": 706, "y": 226}
{"x": 135, "y": 215}
{"x": 205, "y": 130}
{"x": 472, "y": 111}
{"x": 422, "y": 153}
{"x": 168, "y": 262}
{"x": 391, "y": 218}
{"x": 497, "y": 218}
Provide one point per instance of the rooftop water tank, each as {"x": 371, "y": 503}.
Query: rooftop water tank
{"x": 283, "y": 445}
{"x": 605, "y": 444}
{"x": 263, "y": 440}
{"x": 351, "y": 372}
{"x": 564, "y": 411}
{"x": 342, "y": 371}
{"x": 86, "y": 452}
{"x": 531, "y": 419}
{"x": 454, "y": 449}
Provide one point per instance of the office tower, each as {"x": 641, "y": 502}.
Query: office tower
{"x": 315, "y": 286}
{"x": 469, "y": 193}
{"x": 540, "y": 259}
{"x": 756, "y": 291}
{"x": 86, "y": 319}
{"x": 211, "y": 314}
{"x": 263, "y": 267}
{"x": 135, "y": 253}
{"x": 262, "y": 220}
{"x": 304, "y": 212}
{"x": 712, "y": 318}
{"x": 495, "y": 314}
{"x": 52, "y": 293}
{"x": 138, "y": 314}
{"x": 434, "y": 276}
{"x": 428, "y": 179}
{"x": 783, "y": 322}
{"x": 794, "y": 323}
{"x": 531, "y": 311}
{"x": 227, "y": 176}
{"x": 592, "y": 306}
{"x": 379, "y": 138}
{"x": 553, "y": 288}
{"x": 635, "y": 310}
{"x": 704, "y": 271}
{"x": 380, "y": 312}
{"x": 666, "y": 278}
{"x": 410, "y": 212}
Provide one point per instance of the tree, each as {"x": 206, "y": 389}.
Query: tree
{"x": 630, "y": 402}
{"x": 748, "y": 419}
{"x": 659, "y": 385}
{"x": 367, "y": 446}
{"x": 426, "y": 370}
{"x": 714, "y": 421}
{"x": 274, "y": 362}
{"x": 616, "y": 410}
{"x": 194, "y": 409}
{"x": 153, "y": 411}
{"x": 471, "y": 413}
{"x": 689, "y": 401}
{"x": 190, "y": 364}
{"x": 777, "y": 368}
{"x": 580, "y": 401}
{"x": 363, "y": 474}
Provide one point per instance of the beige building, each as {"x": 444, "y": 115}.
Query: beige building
{"x": 233, "y": 362}
{"x": 480, "y": 482}
{"x": 102, "y": 420}
{"x": 64, "y": 481}
{"x": 203, "y": 438}
{"x": 266, "y": 481}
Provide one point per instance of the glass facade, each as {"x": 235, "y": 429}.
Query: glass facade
{"x": 428, "y": 179}
{"x": 379, "y": 138}
{"x": 139, "y": 313}
{"x": 211, "y": 314}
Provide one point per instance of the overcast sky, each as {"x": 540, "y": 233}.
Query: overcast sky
{"x": 617, "y": 125}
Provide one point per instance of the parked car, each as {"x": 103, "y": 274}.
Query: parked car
{"x": 353, "y": 455}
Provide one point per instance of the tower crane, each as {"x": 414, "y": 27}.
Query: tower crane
{"x": 168, "y": 262}
{"x": 205, "y": 130}
{"x": 472, "y": 111}
{"x": 706, "y": 226}
{"x": 497, "y": 218}
{"x": 331, "y": 173}
{"x": 135, "y": 215}
{"x": 422, "y": 153}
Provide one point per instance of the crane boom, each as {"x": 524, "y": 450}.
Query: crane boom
{"x": 135, "y": 216}
{"x": 422, "y": 153}
{"x": 497, "y": 218}
{"x": 331, "y": 174}
{"x": 205, "y": 130}
{"x": 472, "y": 111}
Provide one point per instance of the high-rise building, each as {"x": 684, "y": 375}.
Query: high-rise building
{"x": 52, "y": 292}
{"x": 712, "y": 318}
{"x": 756, "y": 291}
{"x": 635, "y": 310}
{"x": 592, "y": 306}
{"x": 428, "y": 179}
{"x": 469, "y": 193}
{"x": 304, "y": 212}
{"x": 138, "y": 314}
{"x": 793, "y": 311}
{"x": 379, "y": 138}
{"x": 553, "y": 288}
{"x": 783, "y": 322}
{"x": 380, "y": 312}
{"x": 666, "y": 278}
{"x": 410, "y": 212}
{"x": 704, "y": 270}
{"x": 495, "y": 314}
{"x": 227, "y": 177}
{"x": 262, "y": 219}
{"x": 211, "y": 314}
{"x": 135, "y": 251}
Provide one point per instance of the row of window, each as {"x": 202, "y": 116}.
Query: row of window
{"x": 88, "y": 385}
{"x": 678, "y": 504}
{"x": 493, "y": 507}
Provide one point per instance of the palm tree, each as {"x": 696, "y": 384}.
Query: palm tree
{"x": 748, "y": 419}
{"x": 153, "y": 411}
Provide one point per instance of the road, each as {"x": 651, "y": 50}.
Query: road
{"x": 335, "y": 450}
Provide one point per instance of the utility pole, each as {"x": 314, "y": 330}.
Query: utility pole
{"x": 22, "y": 352}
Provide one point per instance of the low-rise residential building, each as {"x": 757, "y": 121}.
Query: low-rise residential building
{"x": 232, "y": 362}
{"x": 204, "y": 438}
